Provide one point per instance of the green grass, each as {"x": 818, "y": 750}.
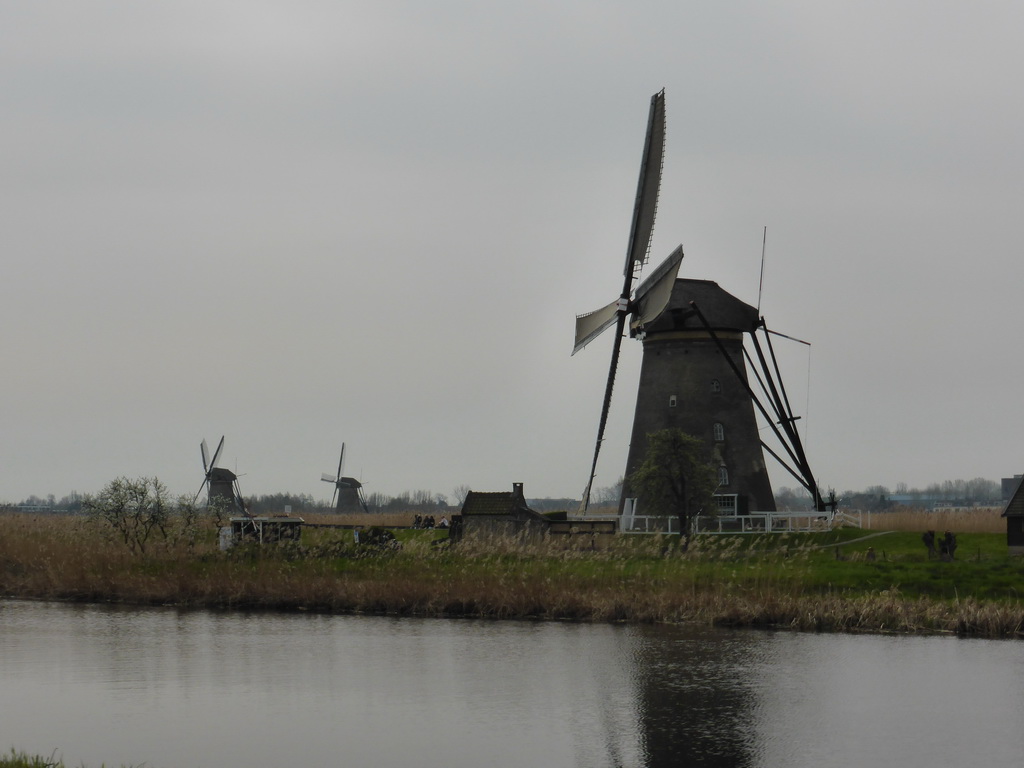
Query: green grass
{"x": 802, "y": 581}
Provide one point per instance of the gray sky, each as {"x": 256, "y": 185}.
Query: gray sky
{"x": 311, "y": 222}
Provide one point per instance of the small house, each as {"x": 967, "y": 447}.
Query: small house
{"x": 498, "y": 514}
{"x": 1014, "y": 514}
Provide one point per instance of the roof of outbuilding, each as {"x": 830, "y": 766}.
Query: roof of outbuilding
{"x": 487, "y": 503}
{"x": 498, "y": 503}
{"x": 1015, "y": 506}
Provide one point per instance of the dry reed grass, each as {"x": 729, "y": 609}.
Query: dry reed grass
{"x": 969, "y": 520}
{"x": 384, "y": 520}
{"x": 647, "y": 579}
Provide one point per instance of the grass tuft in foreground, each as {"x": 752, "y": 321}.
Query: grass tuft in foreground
{"x": 22, "y": 760}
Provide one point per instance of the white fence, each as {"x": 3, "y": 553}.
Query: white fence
{"x": 755, "y": 522}
{"x": 765, "y": 522}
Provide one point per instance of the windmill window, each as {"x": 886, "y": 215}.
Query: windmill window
{"x": 723, "y": 475}
{"x": 672, "y": 401}
{"x": 719, "y": 431}
{"x": 716, "y": 385}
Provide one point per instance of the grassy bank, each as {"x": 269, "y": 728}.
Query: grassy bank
{"x": 823, "y": 581}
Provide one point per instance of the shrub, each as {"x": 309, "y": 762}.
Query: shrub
{"x": 135, "y": 511}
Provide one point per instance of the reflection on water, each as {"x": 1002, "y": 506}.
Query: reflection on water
{"x": 696, "y": 696}
{"x": 173, "y": 688}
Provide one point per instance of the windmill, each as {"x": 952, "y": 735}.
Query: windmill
{"x": 693, "y": 375}
{"x": 650, "y": 298}
{"x": 221, "y": 483}
{"x": 346, "y": 489}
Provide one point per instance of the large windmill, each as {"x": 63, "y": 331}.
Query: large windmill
{"x": 693, "y": 375}
{"x": 221, "y": 483}
{"x": 346, "y": 489}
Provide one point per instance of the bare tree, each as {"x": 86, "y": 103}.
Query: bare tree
{"x": 136, "y": 510}
{"x": 459, "y": 493}
{"x": 675, "y": 478}
{"x": 607, "y": 495}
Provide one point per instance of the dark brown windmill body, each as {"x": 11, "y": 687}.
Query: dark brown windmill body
{"x": 221, "y": 484}
{"x": 347, "y": 490}
{"x": 694, "y": 378}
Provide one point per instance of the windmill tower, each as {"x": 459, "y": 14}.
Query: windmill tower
{"x": 693, "y": 375}
{"x": 346, "y": 490}
{"x": 694, "y": 378}
{"x": 222, "y": 484}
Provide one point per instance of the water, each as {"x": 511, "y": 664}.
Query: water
{"x": 174, "y": 688}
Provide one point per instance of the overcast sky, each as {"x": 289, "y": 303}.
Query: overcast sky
{"x": 307, "y": 222}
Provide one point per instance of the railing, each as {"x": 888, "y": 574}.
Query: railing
{"x": 640, "y": 523}
{"x": 764, "y": 522}
{"x": 843, "y": 519}
{"x": 755, "y": 522}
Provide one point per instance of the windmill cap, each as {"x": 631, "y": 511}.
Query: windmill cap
{"x": 722, "y": 310}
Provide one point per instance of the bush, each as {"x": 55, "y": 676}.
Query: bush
{"x": 137, "y": 511}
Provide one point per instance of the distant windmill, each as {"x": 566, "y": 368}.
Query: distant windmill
{"x": 346, "y": 489}
{"x": 221, "y": 483}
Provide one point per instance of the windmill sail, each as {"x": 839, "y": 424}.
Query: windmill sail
{"x": 654, "y": 293}
{"x": 650, "y": 300}
{"x": 588, "y": 327}
{"x": 593, "y": 324}
{"x": 648, "y": 186}
{"x": 208, "y": 464}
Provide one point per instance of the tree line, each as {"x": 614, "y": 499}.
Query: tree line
{"x": 978, "y": 491}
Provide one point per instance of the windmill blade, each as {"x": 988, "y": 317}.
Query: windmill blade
{"x": 341, "y": 461}
{"x": 334, "y": 496}
{"x": 328, "y": 478}
{"x": 593, "y": 324}
{"x": 648, "y": 186}
{"x": 216, "y": 454}
{"x": 205, "y": 451}
{"x": 605, "y": 406}
{"x": 640, "y": 231}
{"x": 201, "y": 486}
{"x": 654, "y": 293}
